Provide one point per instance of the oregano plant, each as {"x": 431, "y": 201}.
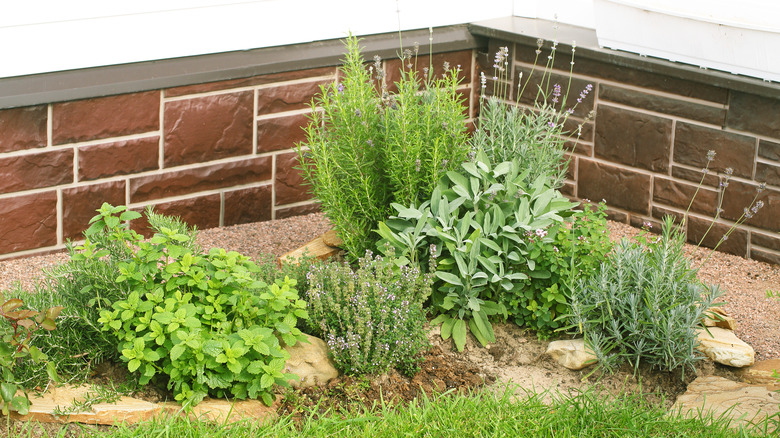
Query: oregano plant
{"x": 15, "y": 345}
{"x": 205, "y": 322}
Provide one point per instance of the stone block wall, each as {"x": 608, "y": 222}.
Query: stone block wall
{"x": 215, "y": 154}
{"x": 645, "y": 147}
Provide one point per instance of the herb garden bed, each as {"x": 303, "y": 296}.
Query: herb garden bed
{"x": 516, "y": 358}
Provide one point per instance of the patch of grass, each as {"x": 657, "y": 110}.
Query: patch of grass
{"x": 513, "y": 413}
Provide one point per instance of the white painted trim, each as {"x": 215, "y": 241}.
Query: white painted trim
{"x": 50, "y": 35}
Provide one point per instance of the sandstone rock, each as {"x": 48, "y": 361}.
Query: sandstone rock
{"x": 763, "y": 373}
{"x": 720, "y": 319}
{"x": 316, "y": 248}
{"x": 724, "y": 347}
{"x": 571, "y": 353}
{"x": 331, "y": 238}
{"x": 221, "y": 411}
{"x": 744, "y": 403}
{"x": 130, "y": 410}
{"x": 311, "y": 363}
{"x": 127, "y": 410}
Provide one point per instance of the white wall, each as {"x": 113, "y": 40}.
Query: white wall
{"x": 576, "y": 12}
{"x": 53, "y": 35}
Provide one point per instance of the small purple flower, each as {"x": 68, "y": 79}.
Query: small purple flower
{"x": 341, "y": 88}
{"x": 584, "y": 93}
{"x": 710, "y": 155}
{"x": 556, "y": 93}
{"x": 540, "y": 232}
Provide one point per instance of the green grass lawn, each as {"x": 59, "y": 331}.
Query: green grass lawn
{"x": 481, "y": 414}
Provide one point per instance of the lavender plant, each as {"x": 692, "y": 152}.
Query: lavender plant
{"x": 644, "y": 304}
{"x": 367, "y": 147}
{"x": 646, "y": 301}
{"x": 372, "y": 318}
{"x": 536, "y": 137}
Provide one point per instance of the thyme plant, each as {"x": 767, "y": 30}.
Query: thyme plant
{"x": 372, "y": 318}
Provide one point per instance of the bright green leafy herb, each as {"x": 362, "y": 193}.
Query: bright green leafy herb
{"x": 203, "y": 320}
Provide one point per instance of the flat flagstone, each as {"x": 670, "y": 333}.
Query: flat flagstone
{"x": 127, "y": 409}
{"x": 130, "y": 410}
{"x": 762, "y": 372}
{"x": 742, "y": 402}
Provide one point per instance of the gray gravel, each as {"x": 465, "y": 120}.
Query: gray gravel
{"x": 744, "y": 282}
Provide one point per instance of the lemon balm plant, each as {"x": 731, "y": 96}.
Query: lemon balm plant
{"x": 367, "y": 146}
{"x": 203, "y": 322}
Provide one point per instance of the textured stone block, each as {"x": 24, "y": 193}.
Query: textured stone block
{"x": 461, "y": 58}
{"x": 756, "y": 114}
{"x": 581, "y": 147}
{"x": 620, "y": 187}
{"x": 248, "y": 205}
{"x": 287, "y": 97}
{"x": 251, "y": 81}
{"x": 289, "y": 184}
{"x": 118, "y": 158}
{"x": 281, "y": 133}
{"x": 532, "y": 81}
{"x": 79, "y": 205}
{"x": 298, "y": 210}
{"x": 765, "y": 256}
{"x": 710, "y": 179}
{"x": 208, "y": 128}
{"x": 212, "y": 177}
{"x": 738, "y": 196}
{"x": 632, "y": 138}
{"x": 660, "y": 213}
{"x": 662, "y": 104}
{"x": 679, "y": 194}
{"x": 736, "y": 243}
{"x": 105, "y": 117}
{"x": 34, "y": 171}
{"x": 23, "y": 128}
{"x": 692, "y": 142}
{"x": 640, "y": 222}
{"x": 617, "y": 216}
{"x": 768, "y": 173}
{"x": 28, "y": 222}
{"x": 202, "y": 211}
{"x": 571, "y": 127}
{"x": 627, "y": 75}
{"x": 568, "y": 189}
{"x": 769, "y": 150}
{"x": 765, "y": 240}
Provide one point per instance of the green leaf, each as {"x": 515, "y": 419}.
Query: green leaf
{"x": 449, "y": 278}
{"x": 459, "y": 334}
{"x": 133, "y": 365}
{"x": 129, "y": 215}
{"x": 446, "y": 327}
{"x": 7, "y": 390}
{"x": 176, "y": 351}
{"x": 266, "y": 381}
